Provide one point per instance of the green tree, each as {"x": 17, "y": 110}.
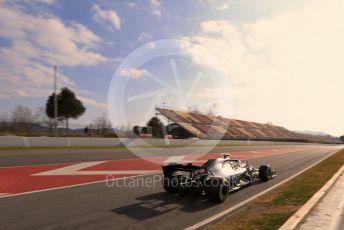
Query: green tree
{"x": 157, "y": 127}
{"x": 68, "y": 106}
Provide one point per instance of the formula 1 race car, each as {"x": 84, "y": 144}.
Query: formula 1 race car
{"x": 215, "y": 179}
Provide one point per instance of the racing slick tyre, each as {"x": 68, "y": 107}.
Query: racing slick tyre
{"x": 217, "y": 189}
{"x": 265, "y": 172}
{"x": 171, "y": 184}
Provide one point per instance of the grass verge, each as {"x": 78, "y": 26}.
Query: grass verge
{"x": 272, "y": 209}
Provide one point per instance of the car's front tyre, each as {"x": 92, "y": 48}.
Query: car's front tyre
{"x": 265, "y": 172}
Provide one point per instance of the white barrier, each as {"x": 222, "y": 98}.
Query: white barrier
{"x": 16, "y": 141}
{"x": 13, "y": 141}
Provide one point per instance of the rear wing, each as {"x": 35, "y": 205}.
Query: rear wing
{"x": 171, "y": 168}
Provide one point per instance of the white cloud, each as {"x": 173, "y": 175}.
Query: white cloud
{"x": 36, "y": 43}
{"x": 286, "y": 69}
{"x": 49, "y": 2}
{"x": 110, "y": 16}
{"x": 218, "y": 4}
{"x": 131, "y": 5}
{"x": 155, "y": 3}
{"x": 94, "y": 103}
{"x": 223, "y": 7}
{"x": 151, "y": 45}
{"x": 156, "y": 12}
{"x": 133, "y": 73}
{"x": 48, "y": 39}
{"x": 144, "y": 37}
{"x": 155, "y": 6}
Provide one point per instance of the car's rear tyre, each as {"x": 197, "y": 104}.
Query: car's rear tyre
{"x": 171, "y": 184}
{"x": 217, "y": 189}
{"x": 265, "y": 172}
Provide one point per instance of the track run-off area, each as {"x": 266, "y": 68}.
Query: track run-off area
{"x": 24, "y": 179}
{"x": 91, "y": 191}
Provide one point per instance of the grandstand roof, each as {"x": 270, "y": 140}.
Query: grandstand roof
{"x": 216, "y": 127}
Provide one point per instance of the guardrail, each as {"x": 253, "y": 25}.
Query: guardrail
{"x": 18, "y": 141}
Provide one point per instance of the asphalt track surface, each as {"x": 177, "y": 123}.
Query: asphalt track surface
{"x": 38, "y": 157}
{"x": 97, "y": 206}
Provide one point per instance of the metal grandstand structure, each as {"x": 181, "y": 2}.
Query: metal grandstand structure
{"x": 217, "y": 127}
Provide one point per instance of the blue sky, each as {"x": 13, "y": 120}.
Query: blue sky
{"x": 267, "y": 52}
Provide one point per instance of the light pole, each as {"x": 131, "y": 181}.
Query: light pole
{"x": 55, "y": 100}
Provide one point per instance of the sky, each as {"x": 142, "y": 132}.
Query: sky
{"x": 258, "y": 60}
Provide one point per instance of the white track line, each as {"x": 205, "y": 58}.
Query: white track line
{"x": 74, "y": 170}
{"x": 64, "y": 172}
{"x": 255, "y": 151}
{"x": 174, "y": 159}
{"x": 69, "y": 170}
{"x": 225, "y": 212}
{"x": 335, "y": 205}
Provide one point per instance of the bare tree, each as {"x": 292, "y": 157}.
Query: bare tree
{"x": 22, "y": 118}
{"x": 4, "y": 122}
{"x": 102, "y": 124}
{"x": 4, "y": 117}
{"x": 42, "y": 119}
{"x": 22, "y": 114}
{"x": 125, "y": 131}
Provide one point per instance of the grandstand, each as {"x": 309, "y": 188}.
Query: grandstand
{"x": 217, "y": 127}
